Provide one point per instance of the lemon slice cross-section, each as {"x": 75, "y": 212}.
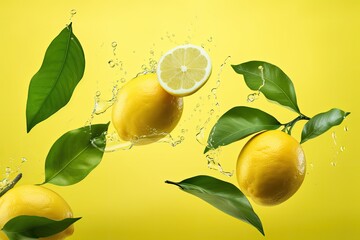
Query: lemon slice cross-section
{"x": 184, "y": 69}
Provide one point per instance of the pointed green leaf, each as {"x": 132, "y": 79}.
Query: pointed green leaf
{"x": 75, "y": 154}
{"x": 52, "y": 86}
{"x": 33, "y": 227}
{"x": 223, "y": 196}
{"x": 238, "y": 123}
{"x": 277, "y": 85}
{"x": 322, "y": 122}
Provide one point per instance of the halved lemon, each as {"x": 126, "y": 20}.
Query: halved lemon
{"x": 184, "y": 69}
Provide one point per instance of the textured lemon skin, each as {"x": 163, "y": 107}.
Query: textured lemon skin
{"x": 35, "y": 201}
{"x": 271, "y": 167}
{"x": 144, "y": 112}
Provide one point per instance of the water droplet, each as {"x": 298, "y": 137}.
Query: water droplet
{"x": 251, "y": 97}
{"x": 111, "y": 63}
{"x": 8, "y": 170}
{"x": 311, "y": 166}
{"x": 333, "y": 136}
{"x": 333, "y": 164}
{"x": 72, "y": 13}
{"x": 23, "y": 160}
{"x": 213, "y": 91}
{"x": 346, "y": 128}
{"x": 342, "y": 148}
{"x": 114, "y": 44}
{"x": 210, "y": 39}
{"x": 152, "y": 65}
{"x": 98, "y": 93}
{"x": 122, "y": 80}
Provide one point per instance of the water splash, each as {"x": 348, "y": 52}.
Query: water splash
{"x": 200, "y": 136}
{"x": 150, "y": 66}
{"x": 212, "y": 156}
{"x": 102, "y": 105}
{"x": 115, "y": 63}
{"x": 338, "y": 148}
{"x": 213, "y": 162}
{"x": 215, "y": 106}
{"x": 253, "y": 96}
{"x": 169, "y": 139}
{"x": 113, "y": 142}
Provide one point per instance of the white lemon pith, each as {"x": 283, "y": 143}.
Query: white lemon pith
{"x": 184, "y": 70}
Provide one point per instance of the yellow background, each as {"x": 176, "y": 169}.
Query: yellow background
{"x": 315, "y": 42}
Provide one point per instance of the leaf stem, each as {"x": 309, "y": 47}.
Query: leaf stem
{"x": 12, "y": 184}
{"x": 173, "y": 183}
{"x": 289, "y": 126}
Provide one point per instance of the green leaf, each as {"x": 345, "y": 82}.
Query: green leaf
{"x": 238, "y": 123}
{"x": 75, "y": 154}
{"x": 33, "y": 227}
{"x": 322, "y": 122}
{"x": 222, "y": 195}
{"x": 52, "y": 86}
{"x": 277, "y": 85}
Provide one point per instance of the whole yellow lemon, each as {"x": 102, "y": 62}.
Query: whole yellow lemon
{"x": 144, "y": 112}
{"x": 271, "y": 167}
{"x": 35, "y": 201}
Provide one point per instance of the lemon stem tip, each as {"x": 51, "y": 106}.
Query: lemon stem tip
{"x": 11, "y": 185}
